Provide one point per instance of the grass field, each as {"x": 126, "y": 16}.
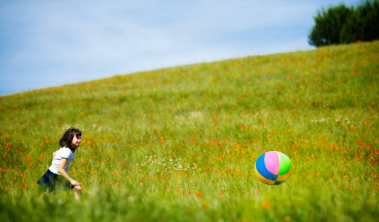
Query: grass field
{"x": 180, "y": 144}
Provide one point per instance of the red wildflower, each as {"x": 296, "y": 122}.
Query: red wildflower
{"x": 265, "y": 204}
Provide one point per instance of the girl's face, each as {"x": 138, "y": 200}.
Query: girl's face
{"x": 76, "y": 141}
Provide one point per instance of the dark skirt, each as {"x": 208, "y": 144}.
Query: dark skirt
{"x": 51, "y": 182}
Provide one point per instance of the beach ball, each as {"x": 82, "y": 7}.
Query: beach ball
{"x": 273, "y": 167}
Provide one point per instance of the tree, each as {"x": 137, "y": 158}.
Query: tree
{"x": 329, "y": 24}
{"x": 363, "y": 25}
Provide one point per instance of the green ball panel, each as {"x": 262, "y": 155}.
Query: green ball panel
{"x": 285, "y": 163}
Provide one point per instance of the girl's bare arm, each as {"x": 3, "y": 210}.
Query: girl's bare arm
{"x": 64, "y": 174}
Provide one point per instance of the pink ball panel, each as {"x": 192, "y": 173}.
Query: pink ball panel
{"x": 272, "y": 162}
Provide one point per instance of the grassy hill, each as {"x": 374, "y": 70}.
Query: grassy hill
{"x": 180, "y": 144}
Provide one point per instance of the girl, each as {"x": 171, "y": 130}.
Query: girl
{"x": 56, "y": 176}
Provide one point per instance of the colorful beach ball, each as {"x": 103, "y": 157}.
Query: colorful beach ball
{"x": 273, "y": 168}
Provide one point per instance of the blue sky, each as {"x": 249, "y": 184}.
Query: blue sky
{"x": 48, "y": 43}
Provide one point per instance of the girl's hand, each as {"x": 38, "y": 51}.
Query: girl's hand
{"x": 74, "y": 183}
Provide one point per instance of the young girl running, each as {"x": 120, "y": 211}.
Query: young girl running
{"x": 56, "y": 176}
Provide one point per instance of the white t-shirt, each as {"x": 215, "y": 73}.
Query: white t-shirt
{"x": 65, "y": 153}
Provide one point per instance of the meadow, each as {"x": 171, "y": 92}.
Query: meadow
{"x": 180, "y": 143}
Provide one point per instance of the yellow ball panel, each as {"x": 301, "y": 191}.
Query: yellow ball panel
{"x": 264, "y": 180}
{"x": 285, "y": 176}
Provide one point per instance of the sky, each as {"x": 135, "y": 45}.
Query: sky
{"x": 46, "y": 43}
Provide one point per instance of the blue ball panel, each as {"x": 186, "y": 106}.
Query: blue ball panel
{"x": 262, "y": 170}
{"x": 279, "y": 182}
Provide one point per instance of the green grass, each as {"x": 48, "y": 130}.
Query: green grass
{"x": 179, "y": 144}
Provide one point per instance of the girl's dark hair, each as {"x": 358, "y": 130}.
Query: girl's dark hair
{"x": 67, "y": 137}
